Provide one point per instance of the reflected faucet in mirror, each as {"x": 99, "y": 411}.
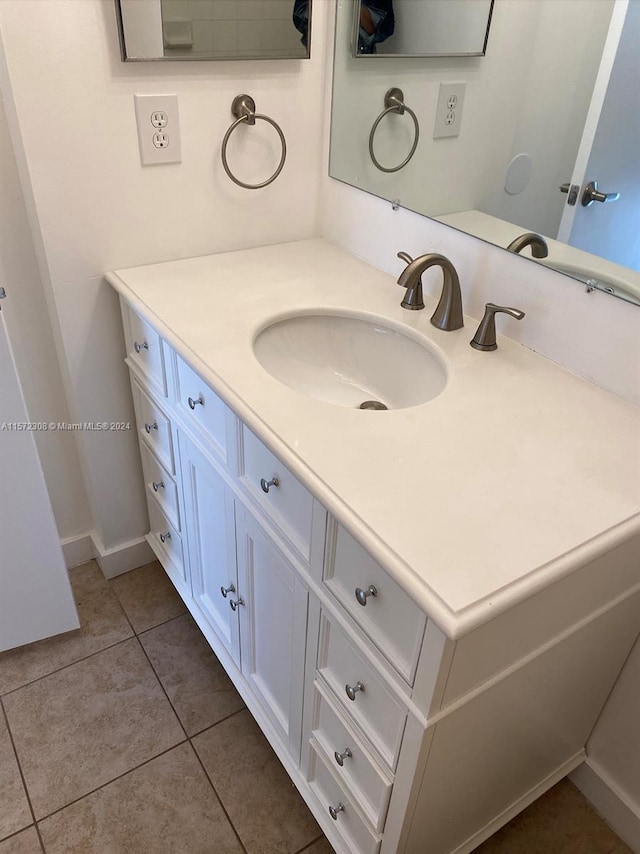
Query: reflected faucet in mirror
{"x": 448, "y": 313}
{"x": 538, "y": 244}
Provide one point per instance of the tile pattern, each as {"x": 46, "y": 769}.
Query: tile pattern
{"x": 148, "y": 597}
{"x": 102, "y": 624}
{"x": 14, "y": 807}
{"x": 199, "y": 689}
{"x": 98, "y": 718}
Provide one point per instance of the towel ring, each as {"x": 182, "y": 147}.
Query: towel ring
{"x": 243, "y": 108}
{"x": 394, "y": 103}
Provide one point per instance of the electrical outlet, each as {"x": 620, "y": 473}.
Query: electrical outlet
{"x": 158, "y": 129}
{"x": 449, "y": 110}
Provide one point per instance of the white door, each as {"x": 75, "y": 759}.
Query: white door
{"x": 211, "y": 544}
{"x": 273, "y": 628}
{"x": 35, "y": 595}
{"x": 608, "y": 152}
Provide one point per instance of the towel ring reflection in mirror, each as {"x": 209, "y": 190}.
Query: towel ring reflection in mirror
{"x": 243, "y": 108}
{"x": 394, "y": 103}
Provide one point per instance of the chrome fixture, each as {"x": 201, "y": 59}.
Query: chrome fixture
{"x": 243, "y": 108}
{"x": 150, "y": 427}
{"x": 193, "y": 403}
{"x": 234, "y": 603}
{"x": 352, "y": 690}
{"x": 448, "y": 313}
{"x": 592, "y": 194}
{"x": 363, "y": 595}
{"x": 138, "y": 347}
{"x": 394, "y": 103}
{"x": 267, "y": 484}
{"x": 571, "y": 190}
{"x": 485, "y": 337}
{"x": 157, "y": 484}
{"x": 538, "y": 244}
{"x": 333, "y": 811}
{"x": 226, "y": 590}
{"x": 165, "y": 537}
{"x": 340, "y": 757}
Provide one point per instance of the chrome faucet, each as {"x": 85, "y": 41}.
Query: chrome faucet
{"x": 448, "y": 313}
{"x": 538, "y": 244}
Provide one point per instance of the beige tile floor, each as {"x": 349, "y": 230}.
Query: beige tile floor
{"x": 127, "y": 737}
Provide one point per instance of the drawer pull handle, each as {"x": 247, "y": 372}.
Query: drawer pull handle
{"x": 150, "y": 427}
{"x": 193, "y": 403}
{"x": 230, "y": 589}
{"x": 234, "y": 604}
{"x": 267, "y": 484}
{"x": 165, "y": 537}
{"x": 333, "y": 811}
{"x": 352, "y": 690}
{"x": 138, "y": 347}
{"x": 157, "y": 485}
{"x": 363, "y": 595}
{"x": 340, "y": 757}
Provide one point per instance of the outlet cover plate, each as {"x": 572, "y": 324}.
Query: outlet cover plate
{"x": 449, "y": 110}
{"x": 163, "y": 146}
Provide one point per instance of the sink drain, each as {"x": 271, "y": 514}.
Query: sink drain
{"x": 372, "y": 404}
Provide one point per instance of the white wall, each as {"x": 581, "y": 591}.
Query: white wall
{"x": 28, "y": 324}
{"x": 95, "y": 208}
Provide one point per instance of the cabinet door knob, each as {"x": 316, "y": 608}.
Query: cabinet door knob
{"x": 333, "y": 811}
{"x": 363, "y": 595}
{"x": 234, "y": 604}
{"x": 150, "y": 427}
{"x": 138, "y": 347}
{"x": 267, "y": 484}
{"x": 340, "y": 757}
{"x": 193, "y": 403}
{"x": 352, "y": 690}
{"x": 165, "y": 537}
{"x": 230, "y": 589}
{"x": 157, "y": 485}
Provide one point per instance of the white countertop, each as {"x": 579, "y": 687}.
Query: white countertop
{"x": 514, "y": 475}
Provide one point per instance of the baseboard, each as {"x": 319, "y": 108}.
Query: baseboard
{"x": 613, "y": 804}
{"x": 121, "y": 558}
{"x": 77, "y": 550}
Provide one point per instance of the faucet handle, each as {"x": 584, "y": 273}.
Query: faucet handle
{"x": 404, "y": 256}
{"x": 485, "y": 337}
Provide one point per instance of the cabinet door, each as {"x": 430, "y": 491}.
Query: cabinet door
{"x": 211, "y": 544}
{"x": 273, "y": 627}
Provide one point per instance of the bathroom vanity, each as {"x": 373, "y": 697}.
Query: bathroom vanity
{"x": 424, "y": 608}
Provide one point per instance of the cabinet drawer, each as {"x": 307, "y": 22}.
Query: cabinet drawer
{"x": 364, "y": 777}
{"x": 286, "y": 501}
{"x": 380, "y": 607}
{"x": 166, "y": 541}
{"x": 154, "y": 427}
{"x": 201, "y": 407}
{"x": 161, "y": 485}
{"x": 374, "y": 708}
{"x": 330, "y": 793}
{"x": 144, "y": 350}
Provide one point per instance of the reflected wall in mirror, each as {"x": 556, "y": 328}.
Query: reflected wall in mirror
{"x": 421, "y": 27}
{"x": 152, "y": 30}
{"x": 552, "y": 107}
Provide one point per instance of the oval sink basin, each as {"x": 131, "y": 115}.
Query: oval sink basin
{"x": 350, "y": 361}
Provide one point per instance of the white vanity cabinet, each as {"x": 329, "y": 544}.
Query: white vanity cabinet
{"x": 401, "y": 739}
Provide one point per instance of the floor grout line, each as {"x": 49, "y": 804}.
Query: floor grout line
{"x": 311, "y": 844}
{"x": 215, "y": 792}
{"x": 20, "y": 771}
{"x": 67, "y": 666}
{"x": 164, "y": 690}
{"x": 163, "y": 623}
{"x": 113, "y": 780}
{"x": 222, "y": 720}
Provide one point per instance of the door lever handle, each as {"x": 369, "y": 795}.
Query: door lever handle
{"x": 592, "y": 194}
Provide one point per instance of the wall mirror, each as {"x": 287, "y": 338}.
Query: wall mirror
{"x": 420, "y": 27}
{"x": 161, "y": 30}
{"x": 539, "y": 136}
